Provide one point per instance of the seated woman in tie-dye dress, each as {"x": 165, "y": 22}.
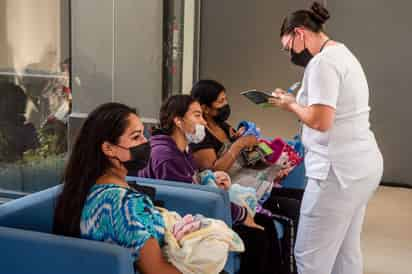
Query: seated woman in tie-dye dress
{"x": 96, "y": 202}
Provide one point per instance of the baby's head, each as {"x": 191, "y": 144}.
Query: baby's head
{"x": 223, "y": 180}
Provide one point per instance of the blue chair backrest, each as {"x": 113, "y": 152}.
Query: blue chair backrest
{"x": 297, "y": 178}
{"x": 33, "y": 212}
{"x": 222, "y": 211}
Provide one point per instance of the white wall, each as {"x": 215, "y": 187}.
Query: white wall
{"x": 240, "y": 47}
{"x": 117, "y": 54}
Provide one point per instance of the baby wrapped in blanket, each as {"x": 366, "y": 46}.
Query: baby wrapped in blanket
{"x": 198, "y": 245}
{"x": 240, "y": 195}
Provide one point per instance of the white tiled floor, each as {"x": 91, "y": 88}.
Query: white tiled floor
{"x": 387, "y": 232}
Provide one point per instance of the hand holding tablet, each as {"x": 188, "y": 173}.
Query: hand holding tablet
{"x": 257, "y": 96}
{"x": 260, "y": 97}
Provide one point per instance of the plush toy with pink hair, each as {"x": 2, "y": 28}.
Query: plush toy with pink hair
{"x": 283, "y": 156}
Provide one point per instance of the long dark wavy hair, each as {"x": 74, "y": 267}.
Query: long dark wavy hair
{"x": 87, "y": 163}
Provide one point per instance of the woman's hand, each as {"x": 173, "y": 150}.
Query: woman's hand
{"x": 250, "y": 222}
{"x": 239, "y": 132}
{"x": 247, "y": 141}
{"x": 152, "y": 260}
{"x": 282, "y": 99}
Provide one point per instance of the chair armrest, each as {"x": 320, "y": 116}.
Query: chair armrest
{"x": 30, "y": 252}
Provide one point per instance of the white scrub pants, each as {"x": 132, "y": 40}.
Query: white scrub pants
{"x": 331, "y": 218}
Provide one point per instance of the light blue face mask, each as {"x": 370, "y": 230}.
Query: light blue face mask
{"x": 197, "y": 136}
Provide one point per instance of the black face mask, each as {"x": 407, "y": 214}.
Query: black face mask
{"x": 302, "y": 58}
{"x": 140, "y": 156}
{"x": 223, "y": 113}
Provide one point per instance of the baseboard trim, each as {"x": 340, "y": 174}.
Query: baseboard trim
{"x": 392, "y": 184}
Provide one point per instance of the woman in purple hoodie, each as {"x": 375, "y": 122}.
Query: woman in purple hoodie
{"x": 181, "y": 124}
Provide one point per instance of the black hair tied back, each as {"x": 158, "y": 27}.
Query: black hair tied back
{"x": 319, "y": 13}
{"x": 312, "y": 19}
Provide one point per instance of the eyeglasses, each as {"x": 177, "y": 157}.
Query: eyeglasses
{"x": 286, "y": 48}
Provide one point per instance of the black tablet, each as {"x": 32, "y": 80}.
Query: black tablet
{"x": 257, "y": 96}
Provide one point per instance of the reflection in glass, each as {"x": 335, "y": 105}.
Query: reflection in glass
{"x": 35, "y": 94}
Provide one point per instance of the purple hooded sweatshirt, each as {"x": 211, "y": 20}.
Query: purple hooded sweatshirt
{"x": 167, "y": 162}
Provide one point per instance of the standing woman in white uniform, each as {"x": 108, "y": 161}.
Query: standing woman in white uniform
{"x": 343, "y": 162}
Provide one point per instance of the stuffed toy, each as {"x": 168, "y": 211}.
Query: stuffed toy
{"x": 283, "y": 156}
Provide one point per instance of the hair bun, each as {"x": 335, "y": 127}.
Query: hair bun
{"x": 319, "y": 13}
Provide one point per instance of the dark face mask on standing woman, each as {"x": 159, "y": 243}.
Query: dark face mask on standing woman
{"x": 302, "y": 58}
{"x": 223, "y": 113}
{"x": 139, "y": 156}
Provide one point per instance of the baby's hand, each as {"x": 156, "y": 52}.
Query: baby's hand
{"x": 223, "y": 180}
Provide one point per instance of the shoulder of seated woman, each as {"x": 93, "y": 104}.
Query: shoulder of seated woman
{"x": 106, "y": 180}
{"x": 220, "y": 134}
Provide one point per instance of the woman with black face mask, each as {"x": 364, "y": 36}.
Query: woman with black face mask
{"x": 96, "y": 202}
{"x": 343, "y": 162}
{"x": 216, "y": 110}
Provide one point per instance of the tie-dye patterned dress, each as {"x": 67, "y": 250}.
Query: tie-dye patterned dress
{"x": 122, "y": 216}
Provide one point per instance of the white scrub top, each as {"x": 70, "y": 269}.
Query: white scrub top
{"x": 334, "y": 77}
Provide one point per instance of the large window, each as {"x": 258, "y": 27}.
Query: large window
{"x": 113, "y": 51}
{"x": 35, "y": 94}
